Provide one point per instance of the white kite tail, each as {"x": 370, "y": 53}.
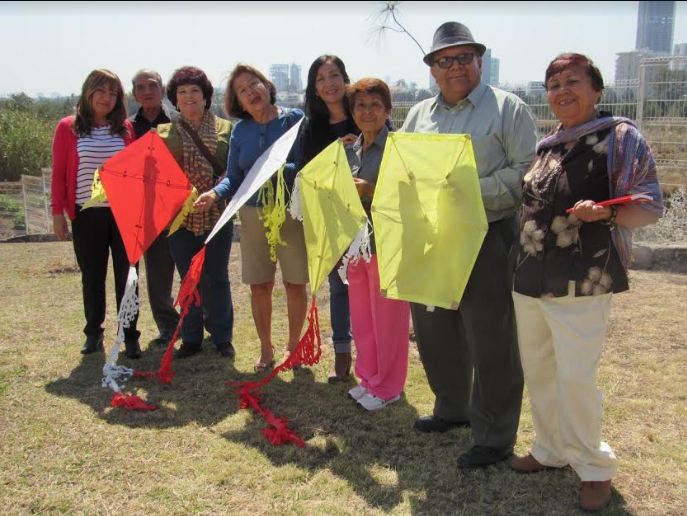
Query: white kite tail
{"x": 360, "y": 248}
{"x": 128, "y": 308}
{"x": 295, "y": 206}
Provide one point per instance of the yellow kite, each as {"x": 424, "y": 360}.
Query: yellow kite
{"x": 429, "y": 220}
{"x": 332, "y": 211}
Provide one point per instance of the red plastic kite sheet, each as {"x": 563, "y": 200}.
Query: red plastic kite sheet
{"x": 146, "y": 188}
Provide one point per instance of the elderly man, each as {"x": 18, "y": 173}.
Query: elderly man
{"x": 479, "y": 338}
{"x": 148, "y": 91}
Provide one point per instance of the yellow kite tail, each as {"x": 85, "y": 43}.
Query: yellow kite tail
{"x": 97, "y": 191}
{"x": 274, "y": 211}
{"x": 185, "y": 210}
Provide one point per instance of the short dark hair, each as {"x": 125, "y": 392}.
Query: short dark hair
{"x": 190, "y": 75}
{"x": 564, "y": 61}
{"x": 232, "y": 106}
{"x": 370, "y": 86}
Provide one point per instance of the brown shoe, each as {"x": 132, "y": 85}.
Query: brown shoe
{"x": 595, "y": 495}
{"x": 342, "y": 368}
{"x": 526, "y": 464}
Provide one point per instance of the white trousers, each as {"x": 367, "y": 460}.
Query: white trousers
{"x": 560, "y": 343}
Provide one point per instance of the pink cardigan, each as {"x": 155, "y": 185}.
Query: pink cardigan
{"x": 65, "y": 164}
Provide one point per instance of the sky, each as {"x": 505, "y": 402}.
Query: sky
{"x": 50, "y": 47}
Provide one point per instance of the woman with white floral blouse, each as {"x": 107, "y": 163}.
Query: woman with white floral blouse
{"x": 569, "y": 264}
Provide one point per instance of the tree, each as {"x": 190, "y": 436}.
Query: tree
{"x": 388, "y": 21}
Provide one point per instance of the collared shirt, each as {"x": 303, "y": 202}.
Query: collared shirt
{"x": 504, "y": 136}
{"x": 142, "y": 125}
{"x": 365, "y": 164}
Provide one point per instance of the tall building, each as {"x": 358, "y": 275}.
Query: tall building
{"x": 655, "y": 23}
{"x": 494, "y": 71}
{"x": 627, "y": 64}
{"x": 279, "y": 75}
{"x": 680, "y": 49}
{"x": 295, "y": 82}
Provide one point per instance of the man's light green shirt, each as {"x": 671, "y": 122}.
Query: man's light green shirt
{"x": 504, "y": 136}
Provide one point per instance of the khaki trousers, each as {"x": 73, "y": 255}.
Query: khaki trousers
{"x": 560, "y": 347}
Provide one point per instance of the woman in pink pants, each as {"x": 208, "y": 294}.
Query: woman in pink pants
{"x": 380, "y": 326}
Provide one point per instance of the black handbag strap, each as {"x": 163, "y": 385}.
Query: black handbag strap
{"x": 219, "y": 171}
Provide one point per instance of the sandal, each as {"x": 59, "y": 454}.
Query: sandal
{"x": 263, "y": 367}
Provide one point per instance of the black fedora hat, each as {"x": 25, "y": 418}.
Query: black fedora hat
{"x": 452, "y": 34}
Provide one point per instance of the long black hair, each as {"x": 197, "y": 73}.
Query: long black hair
{"x": 315, "y": 135}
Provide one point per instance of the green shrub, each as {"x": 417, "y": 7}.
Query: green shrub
{"x": 25, "y": 143}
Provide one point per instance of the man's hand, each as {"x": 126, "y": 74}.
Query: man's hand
{"x": 60, "y": 227}
{"x": 205, "y": 201}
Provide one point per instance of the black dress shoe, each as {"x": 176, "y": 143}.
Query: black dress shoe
{"x": 162, "y": 340}
{"x": 132, "y": 349}
{"x": 188, "y": 349}
{"x": 226, "y": 349}
{"x": 482, "y": 456}
{"x": 431, "y": 424}
{"x": 93, "y": 344}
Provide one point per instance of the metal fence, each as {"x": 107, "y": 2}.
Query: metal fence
{"x": 656, "y": 101}
{"x": 25, "y": 206}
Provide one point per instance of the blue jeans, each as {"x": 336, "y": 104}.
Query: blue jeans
{"x": 214, "y": 285}
{"x": 340, "y": 313}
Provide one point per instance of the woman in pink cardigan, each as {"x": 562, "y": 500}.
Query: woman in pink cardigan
{"x": 98, "y": 130}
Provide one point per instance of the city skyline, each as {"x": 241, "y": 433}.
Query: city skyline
{"x": 523, "y": 37}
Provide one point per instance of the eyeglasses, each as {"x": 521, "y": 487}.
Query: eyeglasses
{"x": 446, "y": 62}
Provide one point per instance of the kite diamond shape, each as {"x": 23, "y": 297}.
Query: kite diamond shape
{"x": 332, "y": 211}
{"x": 145, "y": 188}
{"x": 429, "y": 220}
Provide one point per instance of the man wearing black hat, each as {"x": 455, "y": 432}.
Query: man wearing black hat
{"x": 480, "y": 336}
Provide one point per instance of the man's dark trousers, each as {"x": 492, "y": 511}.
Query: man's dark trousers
{"x": 479, "y": 337}
{"x": 160, "y": 277}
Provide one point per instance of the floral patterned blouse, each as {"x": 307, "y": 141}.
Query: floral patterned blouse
{"x": 555, "y": 247}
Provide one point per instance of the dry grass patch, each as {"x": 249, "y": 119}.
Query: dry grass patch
{"x": 64, "y": 451}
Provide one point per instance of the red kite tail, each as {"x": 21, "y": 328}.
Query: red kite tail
{"x": 308, "y": 352}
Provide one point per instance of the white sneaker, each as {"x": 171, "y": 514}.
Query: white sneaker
{"x": 371, "y": 402}
{"x": 357, "y": 392}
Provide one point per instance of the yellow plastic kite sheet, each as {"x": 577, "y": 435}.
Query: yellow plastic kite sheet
{"x": 332, "y": 211}
{"x": 429, "y": 220}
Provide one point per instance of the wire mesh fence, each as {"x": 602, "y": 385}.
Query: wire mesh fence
{"x": 656, "y": 101}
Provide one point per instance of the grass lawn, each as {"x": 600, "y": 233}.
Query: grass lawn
{"x": 63, "y": 450}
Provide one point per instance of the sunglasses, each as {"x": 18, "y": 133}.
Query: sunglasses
{"x": 447, "y": 61}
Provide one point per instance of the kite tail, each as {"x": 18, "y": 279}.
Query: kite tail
{"x": 114, "y": 374}
{"x": 308, "y": 352}
{"x": 186, "y": 209}
{"x": 295, "y": 206}
{"x": 130, "y": 402}
{"x": 97, "y": 191}
{"x": 274, "y": 211}
{"x": 360, "y": 248}
{"x": 187, "y": 297}
{"x": 128, "y": 308}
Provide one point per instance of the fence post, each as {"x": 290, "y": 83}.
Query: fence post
{"x": 641, "y": 94}
{"x": 26, "y": 211}
{"x": 45, "y": 201}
